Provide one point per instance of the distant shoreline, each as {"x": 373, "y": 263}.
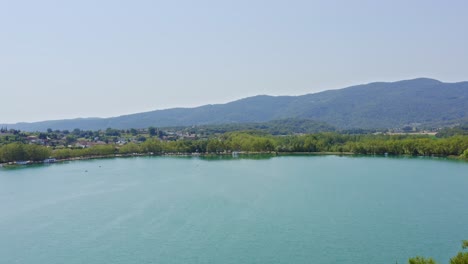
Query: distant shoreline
{"x": 175, "y": 155}
{"x": 13, "y": 164}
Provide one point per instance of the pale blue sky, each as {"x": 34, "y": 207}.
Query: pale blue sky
{"x": 66, "y": 59}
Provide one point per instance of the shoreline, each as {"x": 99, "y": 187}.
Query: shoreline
{"x": 181, "y": 154}
{"x": 233, "y": 154}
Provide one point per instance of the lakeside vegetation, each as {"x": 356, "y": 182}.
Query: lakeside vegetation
{"x": 20, "y": 147}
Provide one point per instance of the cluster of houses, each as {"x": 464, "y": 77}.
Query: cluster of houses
{"x": 87, "y": 144}
{"x": 96, "y": 141}
{"x": 36, "y": 140}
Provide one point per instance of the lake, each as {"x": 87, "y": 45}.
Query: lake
{"x": 286, "y": 209}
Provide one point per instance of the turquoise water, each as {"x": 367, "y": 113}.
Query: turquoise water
{"x": 291, "y": 209}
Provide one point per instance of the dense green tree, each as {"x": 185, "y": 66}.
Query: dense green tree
{"x": 12, "y": 152}
{"x": 141, "y": 138}
{"x": 101, "y": 150}
{"x": 20, "y": 152}
{"x": 64, "y": 153}
{"x": 152, "y": 145}
{"x": 214, "y": 146}
{"x": 421, "y": 260}
{"x": 130, "y": 148}
{"x": 465, "y": 154}
{"x": 113, "y": 132}
{"x": 152, "y": 131}
{"x": 461, "y": 257}
{"x": 36, "y": 152}
{"x": 76, "y": 132}
{"x": 70, "y": 139}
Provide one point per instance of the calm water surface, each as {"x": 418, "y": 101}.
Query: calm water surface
{"x": 301, "y": 209}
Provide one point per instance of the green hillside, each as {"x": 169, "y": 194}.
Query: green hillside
{"x": 420, "y": 102}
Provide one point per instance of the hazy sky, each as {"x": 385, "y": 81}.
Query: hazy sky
{"x": 66, "y": 59}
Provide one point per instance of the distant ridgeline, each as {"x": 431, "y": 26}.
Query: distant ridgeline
{"x": 424, "y": 103}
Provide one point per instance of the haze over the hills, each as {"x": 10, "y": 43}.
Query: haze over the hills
{"x": 423, "y": 101}
{"x": 68, "y": 59}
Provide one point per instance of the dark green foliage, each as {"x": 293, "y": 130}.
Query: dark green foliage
{"x": 69, "y": 139}
{"x": 426, "y": 102}
{"x": 103, "y": 150}
{"x": 21, "y": 152}
{"x": 464, "y": 155}
{"x": 141, "y": 138}
{"x": 421, "y": 260}
{"x": 154, "y": 146}
{"x": 257, "y": 141}
{"x": 275, "y": 127}
{"x": 461, "y": 257}
{"x": 112, "y": 132}
{"x": 152, "y": 131}
{"x": 99, "y": 150}
{"x": 130, "y": 148}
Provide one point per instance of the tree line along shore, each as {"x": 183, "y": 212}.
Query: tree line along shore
{"x": 246, "y": 142}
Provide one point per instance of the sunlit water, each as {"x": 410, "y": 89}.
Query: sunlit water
{"x": 291, "y": 209}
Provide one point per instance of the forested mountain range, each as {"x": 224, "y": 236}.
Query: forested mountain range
{"x": 274, "y": 127}
{"x": 420, "y": 102}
